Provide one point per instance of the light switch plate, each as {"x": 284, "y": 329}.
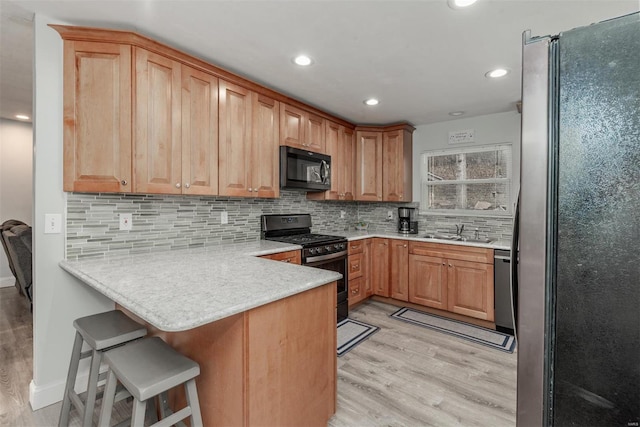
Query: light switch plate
{"x": 52, "y": 223}
{"x": 224, "y": 217}
{"x": 126, "y": 221}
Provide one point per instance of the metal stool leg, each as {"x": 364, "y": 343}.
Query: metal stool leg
{"x": 192, "y": 401}
{"x": 71, "y": 381}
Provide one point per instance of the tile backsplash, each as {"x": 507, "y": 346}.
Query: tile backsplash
{"x": 162, "y": 222}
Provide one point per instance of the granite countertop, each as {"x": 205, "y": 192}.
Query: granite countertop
{"x": 183, "y": 289}
{"x": 357, "y": 235}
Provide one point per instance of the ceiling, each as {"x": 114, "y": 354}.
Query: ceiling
{"x": 421, "y": 59}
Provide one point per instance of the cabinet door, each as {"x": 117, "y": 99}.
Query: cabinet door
{"x": 380, "y": 267}
{"x": 366, "y": 267}
{"x": 158, "y": 150}
{"x": 235, "y": 140}
{"x": 399, "y": 269}
{"x": 199, "y": 132}
{"x": 97, "y": 117}
{"x": 292, "y": 126}
{"x": 356, "y": 291}
{"x": 264, "y": 165}
{"x": 314, "y": 133}
{"x": 332, "y": 140}
{"x": 347, "y": 160}
{"x": 396, "y": 167}
{"x": 471, "y": 289}
{"x": 292, "y": 257}
{"x": 369, "y": 166}
{"x": 428, "y": 281}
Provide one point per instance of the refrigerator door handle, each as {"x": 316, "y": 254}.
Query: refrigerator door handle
{"x": 515, "y": 240}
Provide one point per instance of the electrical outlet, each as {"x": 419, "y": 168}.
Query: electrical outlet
{"x": 390, "y": 215}
{"x": 342, "y": 214}
{"x": 126, "y": 221}
{"x": 224, "y": 217}
{"x": 52, "y": 223}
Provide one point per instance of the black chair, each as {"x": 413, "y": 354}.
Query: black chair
{"x": 7, "y": 226}
{"x": 19, "y": 248}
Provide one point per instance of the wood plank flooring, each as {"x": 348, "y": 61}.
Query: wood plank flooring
{"x": 403, "y": 375}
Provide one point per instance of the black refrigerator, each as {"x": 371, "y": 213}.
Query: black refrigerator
{"x": 577, "y": 279}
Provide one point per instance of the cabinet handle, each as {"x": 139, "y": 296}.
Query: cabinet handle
{"x": 286, "y": 260}
{"x": 250, "y": 189}
{"x": 177, "y": 185}
{"x": 124, "y": 182}
{"x": 187, "y": 185}
{"x": 404, "y": 246}
{"x": 354, "y": 291}
{"x": 355, "y": 266}
{"x": 450, "y": 265}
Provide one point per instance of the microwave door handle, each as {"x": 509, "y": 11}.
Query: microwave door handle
{"x": 323, "y": 171}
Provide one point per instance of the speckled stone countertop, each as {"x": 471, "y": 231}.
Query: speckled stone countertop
{"x": 183, "y": 289}
{"x": 357, "y": 235}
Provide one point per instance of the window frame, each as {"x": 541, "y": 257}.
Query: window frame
{"x": 425, "y": 184}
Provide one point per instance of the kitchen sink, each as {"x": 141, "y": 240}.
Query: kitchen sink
{"x": 455, "y": 237}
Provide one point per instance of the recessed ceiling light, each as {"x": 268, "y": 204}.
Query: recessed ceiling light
{"x": 498, "y": 72}
{"x": 22, "y": 117}
{"x": 459, "y": 4}
{"x": 302, "y": 60}
{"x": 371, "y": 101}
{"x": 456, "y": 113}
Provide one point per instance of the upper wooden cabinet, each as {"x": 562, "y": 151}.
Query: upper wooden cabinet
{"x": 369, "y": 166}
{"x": 97, "y": 117}
{"x": 248, "y": 157}
{"x": 301, "y": 129}
{"x": 383, "y": 168}
{"x": 340, "y": 145}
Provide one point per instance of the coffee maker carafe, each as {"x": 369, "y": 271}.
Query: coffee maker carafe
{"x": 407, "y": 223}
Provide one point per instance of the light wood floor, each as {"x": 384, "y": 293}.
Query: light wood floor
{"x": 403, "y": 375}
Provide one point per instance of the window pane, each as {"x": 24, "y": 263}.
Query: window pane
{"x": 487, "y": 164}
{"x": 485, "y": 197}
{"x": 443, "y": 168}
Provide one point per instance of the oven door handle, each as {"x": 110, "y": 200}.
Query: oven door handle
{"x": 314, "y": 259}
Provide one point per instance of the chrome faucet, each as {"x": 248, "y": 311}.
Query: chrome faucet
{"x": 459, "y": 229}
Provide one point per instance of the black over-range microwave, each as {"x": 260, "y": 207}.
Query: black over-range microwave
{"x": 304, "y": 170}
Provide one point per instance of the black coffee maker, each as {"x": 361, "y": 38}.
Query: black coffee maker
{"x": 407, "y": 223}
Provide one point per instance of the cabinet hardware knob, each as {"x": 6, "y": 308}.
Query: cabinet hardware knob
{"x": 286, "y": 260}
{"x": 177, "y": 185}
{"x": 250, "y": 189}
{"x": 405, "y": 246}
{"x": 124, "y": 182}
{"x": 444, "y": 263}
{"x": 187, "y": 185}
{"x": 450, "y": 265}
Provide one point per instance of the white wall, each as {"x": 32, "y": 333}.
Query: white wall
{"x": 489, "y": 129}
{"x": 58, "y": 297}
{"x": 16, "y": 183}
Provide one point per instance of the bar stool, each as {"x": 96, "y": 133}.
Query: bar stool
{"x": 101, "y": 332}
{"x": 149, "y": 368}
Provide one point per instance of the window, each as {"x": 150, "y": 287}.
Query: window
{"x": 469, "y": 180}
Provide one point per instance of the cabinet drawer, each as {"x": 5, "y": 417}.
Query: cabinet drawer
{"x": 291, "y": 256}
{"x": 356, "y": 246}
{"x": 356, "y": 291}
{"x": 355, "y": 266}
{"x": 459, "y": 252}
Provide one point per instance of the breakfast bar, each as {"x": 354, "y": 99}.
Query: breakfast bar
{"x": 262, "y": 331}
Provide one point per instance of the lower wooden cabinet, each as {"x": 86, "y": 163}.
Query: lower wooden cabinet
{"x": 293, "y": 257}
{"x": 399, "y": 269}
{"x": 454, "y": 278}
{"x": 380, "y": 267}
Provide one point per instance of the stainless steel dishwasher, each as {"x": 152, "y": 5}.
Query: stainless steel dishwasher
{"x": 502, "y": 290}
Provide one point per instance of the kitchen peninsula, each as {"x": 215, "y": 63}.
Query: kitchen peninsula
{"x": 262, "y": 331}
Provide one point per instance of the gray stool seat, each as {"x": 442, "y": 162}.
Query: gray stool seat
{"x": 108, "y": 329}
{"x": 101, "y": 332}
{"x": 149, "y": 368}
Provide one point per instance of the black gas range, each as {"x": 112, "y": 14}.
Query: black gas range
{"x": 318, "y": 250}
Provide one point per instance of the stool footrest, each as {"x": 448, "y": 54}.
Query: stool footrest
{"x": 174, "y": 418}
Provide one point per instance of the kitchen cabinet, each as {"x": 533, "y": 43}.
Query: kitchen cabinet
{"x": 176, "y": 132}
{"x": 301, "y": 129}
{"x": 356, "y": 272}
{"x": 97, "y": 117}
{"x": 366, "y": 258}
{"x": 340, "y": 145}
{"x": 397, "y": 171}
{"x": 454, "y": 278}
{"x": 399, "y": 269}
{"x": 383, "y": 163}
{"x": 248, "y": 160}
{"x": 292, "y": 257}
{"x": 380, "y": 267}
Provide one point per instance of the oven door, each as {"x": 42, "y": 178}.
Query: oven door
{"x": 339, "y": 265}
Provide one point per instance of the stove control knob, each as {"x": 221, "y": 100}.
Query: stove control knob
{"x": 319, "y": 249}
{"x": 337, "y": 246}
{"x": 343, "y": 246}
{"x": 312, "y": 251}
{"x": 328, "y": 248}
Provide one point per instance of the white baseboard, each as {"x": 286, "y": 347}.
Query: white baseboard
{"x": 48, "y": 394}
{"x": 6, "y": 282}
